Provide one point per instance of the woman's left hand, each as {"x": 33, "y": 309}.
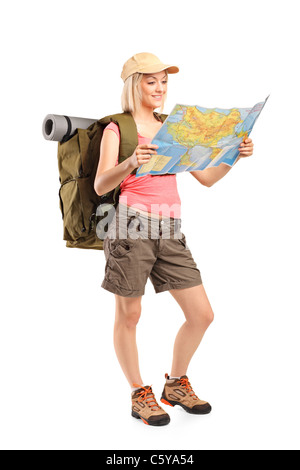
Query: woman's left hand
{"x": 246, "y": 148}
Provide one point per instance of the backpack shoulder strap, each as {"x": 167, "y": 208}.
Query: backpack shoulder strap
{"x": 160, "y": 117}
{"x": 128, "y": 132}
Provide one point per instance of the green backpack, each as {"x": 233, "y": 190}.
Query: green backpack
{"x": 81, "y": 207}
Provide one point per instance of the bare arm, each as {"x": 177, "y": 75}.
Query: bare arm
{"x": 109, "y": 175}
{"x": 210, "y": 176}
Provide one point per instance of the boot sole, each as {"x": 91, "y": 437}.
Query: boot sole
{"x": 158, "y": 422}
{"x": 186, "y": 408}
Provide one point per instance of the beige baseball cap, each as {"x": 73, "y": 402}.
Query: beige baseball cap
{"x": 144, "y": 62}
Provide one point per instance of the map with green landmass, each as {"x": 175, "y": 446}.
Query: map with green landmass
{"x": 193, "y": 138}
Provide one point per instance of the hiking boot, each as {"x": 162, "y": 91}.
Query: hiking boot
{"x": 180, "y": 392}
{"x": 145, "y": 407}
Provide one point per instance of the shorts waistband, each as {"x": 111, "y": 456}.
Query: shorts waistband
{"x": 129, "y": 222}
{"x": 124, "y": 209}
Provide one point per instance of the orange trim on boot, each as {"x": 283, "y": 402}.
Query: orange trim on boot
{"x": 166, "y": 402}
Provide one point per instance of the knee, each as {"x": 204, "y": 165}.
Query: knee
{"x": 203, "y": 318}
{"x": 209, "y": 316}
{"x": 128, "y": 318}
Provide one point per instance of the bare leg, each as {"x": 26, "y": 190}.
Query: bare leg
{"x": 128, "y": 312}
{"x": 199, "y": 315}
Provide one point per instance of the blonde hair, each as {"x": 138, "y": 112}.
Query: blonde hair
{"x": 131, "y": 95}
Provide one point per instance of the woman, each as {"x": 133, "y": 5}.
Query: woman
{"x": 149, "y": 214}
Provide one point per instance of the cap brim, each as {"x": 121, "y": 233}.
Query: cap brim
{"x": 159, "y": 68}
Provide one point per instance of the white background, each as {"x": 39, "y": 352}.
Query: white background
{"x": 61, "y": 384}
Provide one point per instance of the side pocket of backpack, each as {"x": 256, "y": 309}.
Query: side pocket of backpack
{"x": 71, "y": 206}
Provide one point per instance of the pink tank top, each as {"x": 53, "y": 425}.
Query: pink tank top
{"x": 151, "y": 193}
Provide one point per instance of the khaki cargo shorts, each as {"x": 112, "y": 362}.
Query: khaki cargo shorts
{"x": 138, "y": 246}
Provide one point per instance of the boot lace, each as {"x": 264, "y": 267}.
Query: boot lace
{"x": 184, "y": 382}
{"x": 147, "y": 395}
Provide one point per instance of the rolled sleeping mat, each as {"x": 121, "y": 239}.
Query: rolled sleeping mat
{"x": 60, "y": 128}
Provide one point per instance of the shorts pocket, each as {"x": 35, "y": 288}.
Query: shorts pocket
{"x": 183, "y": 241}
{"x": 119, "y": 248}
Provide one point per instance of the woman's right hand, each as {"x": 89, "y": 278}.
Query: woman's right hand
{"x": 142, "y": 154}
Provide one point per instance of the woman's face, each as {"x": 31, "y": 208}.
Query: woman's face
{"x": 153, "y": 87}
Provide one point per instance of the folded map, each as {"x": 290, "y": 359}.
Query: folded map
{"x": 193, "y": 138}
